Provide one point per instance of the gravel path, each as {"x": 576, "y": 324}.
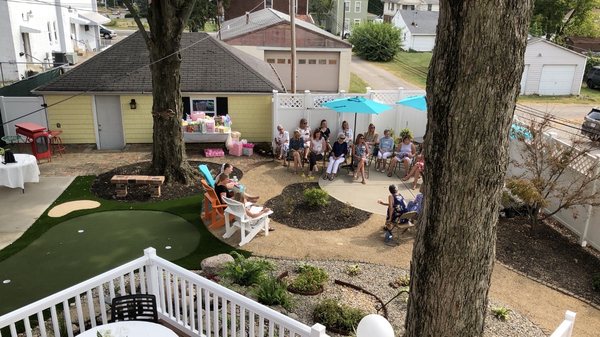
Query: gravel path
{"x": 375, "y": 279}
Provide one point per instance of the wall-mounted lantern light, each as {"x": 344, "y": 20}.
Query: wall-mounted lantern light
{"x": 133, "y": 104}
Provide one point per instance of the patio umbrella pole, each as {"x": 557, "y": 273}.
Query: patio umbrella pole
{"x": 351, "y": 165}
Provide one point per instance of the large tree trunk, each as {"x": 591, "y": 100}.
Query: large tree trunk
{"x": 167, "y": 19}
{"x": 472, "y": 87}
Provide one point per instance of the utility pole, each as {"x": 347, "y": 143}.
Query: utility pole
{"x": 293, "y": 29}
{"x": 343, "y": 19}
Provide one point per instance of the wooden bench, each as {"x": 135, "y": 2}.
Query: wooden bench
{"x": 121, "y": 182}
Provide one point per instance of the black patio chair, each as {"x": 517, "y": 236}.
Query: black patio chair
{"x": 139, "y": 307}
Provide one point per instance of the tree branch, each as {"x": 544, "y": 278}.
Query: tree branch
{"x": 138, "y": 22}
{"x": 186, "y": 11}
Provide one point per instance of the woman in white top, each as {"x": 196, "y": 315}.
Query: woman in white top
{"x": 281, "y": 143}
{"x": 317, "y": 150}
{"x": 406, "y": 154}
{"x": 347, "y": 132}
{"x": 304, "y": 130}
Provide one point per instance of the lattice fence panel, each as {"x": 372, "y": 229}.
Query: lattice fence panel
{"x": 291, "y": 101}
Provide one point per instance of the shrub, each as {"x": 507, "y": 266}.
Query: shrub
{"x": 271, "y": 291}
{"x": 405, "y": 132}
{"x": 246, "y": 272}
{"x": 596, "y": 281}
{"x": 501, "y": 313}
{"x": 338, "y": 317}
{"x": 316, "y": 197}
{"x": 376, "y": 41}
{"x": 353, "y": 270}
{"x": 310, "y": 279}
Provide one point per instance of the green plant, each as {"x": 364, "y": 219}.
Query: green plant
{"x": 403, "y": 280}
{"x": 405, "y": 132}
{"x": 316, "y": 197}
{"x": 596, "y": 281}
{"x": 246, "y": 272}
{"x": 376, "y": 41}
{"x": 353, "y": 270}
{"x": 271, "y": 291}
{"x": 501, "y": 313}
{"x": 310, "y": 279}
{"x": 337, "y": 316}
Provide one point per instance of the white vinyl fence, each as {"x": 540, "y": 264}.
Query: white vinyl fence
{"x": 584, "y": 221}
{"x": 565, "y": 329}
{"x": 15, "y": 107}
{"x": 195, "y": 306}
{"x": 288, "y": 109}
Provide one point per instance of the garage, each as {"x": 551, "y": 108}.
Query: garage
{"x": 557, "y": 79}
{"x": 423, "y": 42}
{"x": 316, "y": 71}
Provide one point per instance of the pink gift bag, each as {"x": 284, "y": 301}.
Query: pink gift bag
{"x": 236, "y": 149}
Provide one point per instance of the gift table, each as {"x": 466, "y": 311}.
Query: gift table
{"x": 212, "y": 137}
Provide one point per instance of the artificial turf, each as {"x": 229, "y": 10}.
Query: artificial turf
{"x": 53, "y": 254}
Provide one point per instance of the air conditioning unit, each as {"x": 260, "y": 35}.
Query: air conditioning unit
{"x": 71, "y": 58}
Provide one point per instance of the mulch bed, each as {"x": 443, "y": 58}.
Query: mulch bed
{"x": 289, "y": 208}
{"x": 102, "y": 187}
{"x": 551, "y": 253}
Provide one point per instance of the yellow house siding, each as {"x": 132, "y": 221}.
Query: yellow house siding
{"x": 252, "y": 116}
{"x": 137, "y": 123}
{"x": 75, "y": 117}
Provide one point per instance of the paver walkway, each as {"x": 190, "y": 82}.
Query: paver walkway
{"x": 541, "y": 304}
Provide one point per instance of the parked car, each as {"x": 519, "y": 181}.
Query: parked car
{"x": 591, "y": 124}
{"x": 107, "y": 33}
{"x": 593, "y": 78}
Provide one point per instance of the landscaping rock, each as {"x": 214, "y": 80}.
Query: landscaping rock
{"x": 215, "y": 264}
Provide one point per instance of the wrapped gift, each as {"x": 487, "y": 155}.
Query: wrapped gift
{"x": 210, "y": 125}
{"x": 247, "y": 149}
{"x": 196, "y": 115}
{"x": 210, "y": 153}
{"x": 236, "y": 149}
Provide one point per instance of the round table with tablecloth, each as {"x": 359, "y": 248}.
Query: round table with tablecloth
{"x": 25, "y": 170}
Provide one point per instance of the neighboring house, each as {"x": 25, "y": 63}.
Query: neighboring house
{"x": 212, "y": 74}
{"x": 238, "y": 8}
{"x": 36, "y": 34}
{"x": 390, "y": 7}
{"x": 584, "y": 44}
{"x": 418, "y": 29}
{"x": 345, "y": 15}
{"x": 551, "y": 69}
{"x": 323, "y": 59}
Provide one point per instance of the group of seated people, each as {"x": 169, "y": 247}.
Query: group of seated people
{"x": 312, "y": 146}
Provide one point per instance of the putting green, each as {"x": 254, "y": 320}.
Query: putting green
{"x": 82, "y": 247}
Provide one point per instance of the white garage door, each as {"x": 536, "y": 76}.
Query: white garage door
{"x": 316, "y": 71}
{"x": 524, "y": 79}
{"x": 423, "y": 43}
{"x": 557, "y": 79}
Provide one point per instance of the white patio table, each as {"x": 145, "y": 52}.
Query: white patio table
{"x": 129, "y": 329}
{"x": 25, "y": 170}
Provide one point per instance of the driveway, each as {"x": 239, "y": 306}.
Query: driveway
{"x": 377, "y": 77}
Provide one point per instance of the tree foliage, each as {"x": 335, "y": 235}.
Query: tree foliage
{"x": 203, "y": 12}
{"x": 556, "y": 176}
{"x": 376, "y": 41}
{"x": 375, "y": 7}
{"x": 555, "y": 19}
{"x": 320, "y": 10}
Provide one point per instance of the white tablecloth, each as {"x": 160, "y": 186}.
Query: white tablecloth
{"x": 129, "y": 329}
{"x": 197, "y": 137}
{"x": 25, "y": 170}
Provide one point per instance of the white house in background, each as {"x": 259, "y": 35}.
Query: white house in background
{"x": 551, "y": 69}
{"x": 36, "y": 33}
{"x": 390, "y": 7}
{"x": 418, "y": 29}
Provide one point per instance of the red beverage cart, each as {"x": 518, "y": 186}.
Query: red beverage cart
{"x": 38, "y": 137}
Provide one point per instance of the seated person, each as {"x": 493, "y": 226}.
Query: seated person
{"x": 406, "y": 154}
{"x": 222, "y": 190}
{"x": 226, "y": 170}
{"x": 336, "y": 156}
{"x": 396, "y": 207}
{"x": 416, "y": 170}
{"x": 317, "y": 150}
{"x": 372, "y": 139}
{"x": 361, "y": 152}
{"x": 386, "y": 149}
{"x": 415, "y": 205}
{"x": 296, "y": 150}
{"x": 304, "y": 130}
{"x": 281, "y": 142}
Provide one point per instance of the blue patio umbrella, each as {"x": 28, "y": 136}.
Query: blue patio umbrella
{"x": 357, "y": 105}
{"x": 416, "y": 102}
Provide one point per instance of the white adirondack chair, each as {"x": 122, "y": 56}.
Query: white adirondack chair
{"x": 248, "y": 226}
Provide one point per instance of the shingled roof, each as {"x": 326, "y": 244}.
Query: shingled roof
{"x": 208, "y": 65}
{"x": 420, "y": 22}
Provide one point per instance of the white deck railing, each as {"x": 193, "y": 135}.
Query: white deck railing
{"x": 565, "y": 329}
{"x": 186, "y": 301}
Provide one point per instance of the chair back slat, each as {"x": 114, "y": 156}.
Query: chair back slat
{"x": 236, "y": 208}
{"x": 211, "y": 192}
{"x": 206, "y": 173}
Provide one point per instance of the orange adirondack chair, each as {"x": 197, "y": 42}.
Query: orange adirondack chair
{"x": 214, "y": 211}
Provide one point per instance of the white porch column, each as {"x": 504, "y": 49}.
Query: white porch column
{"x": 152, "y": 274}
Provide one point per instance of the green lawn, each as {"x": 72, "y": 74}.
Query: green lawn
{"x": 52, "y": 254}
{"x": 357, "y": 85}
{"x": 412, "y": 67}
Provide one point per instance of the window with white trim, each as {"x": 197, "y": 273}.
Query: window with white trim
{"x": 55, "y": 32}
{"x": 347, "y": 6}
{"x": 49, "y": 32}
{"x": 357, "y": 6}
{"x": 356, "y": 23}
{"x": 390, "y": 6}
{"x": 207, "y": 105}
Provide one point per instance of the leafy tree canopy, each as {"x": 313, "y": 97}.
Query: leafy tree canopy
{"x": 556, "y": 19}
{"x": 203, "y": 12}
{"x": 376, "y": 41}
